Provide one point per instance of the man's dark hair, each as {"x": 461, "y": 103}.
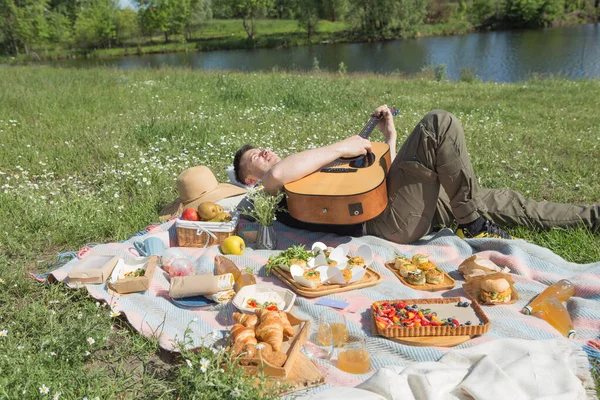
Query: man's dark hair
{"x": 238, "y": 159}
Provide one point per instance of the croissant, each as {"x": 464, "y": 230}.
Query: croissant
{"x": 245, "y": 319}
{"x": 288, "y": 330}
{"x": 270, "y": 330}
{"x": 241, "y": 334}
{"x": 266, "y": 352}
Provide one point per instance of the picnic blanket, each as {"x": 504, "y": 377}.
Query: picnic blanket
{"x": 153, "y": 313}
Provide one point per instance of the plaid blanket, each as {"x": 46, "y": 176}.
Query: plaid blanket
{"x": 153, "y": 313}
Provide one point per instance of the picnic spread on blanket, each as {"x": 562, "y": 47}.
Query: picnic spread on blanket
{"x": 439, "y": 318}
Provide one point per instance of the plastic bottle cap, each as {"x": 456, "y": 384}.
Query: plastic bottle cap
{"x": 571, "y": 333}
{"x": 527, "y": 310}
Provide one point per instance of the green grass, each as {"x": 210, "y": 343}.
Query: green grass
{"x": 92, "y": 156}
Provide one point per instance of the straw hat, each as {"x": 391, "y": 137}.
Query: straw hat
{"x": 196, "y": 185}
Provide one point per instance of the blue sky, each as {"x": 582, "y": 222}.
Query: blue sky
{"x": 126, "y": 3}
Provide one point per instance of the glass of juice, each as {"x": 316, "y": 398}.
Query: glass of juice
{"x": 353, "y": 357}
{"x": 337, "y": 322}
{"x": 320, "y": 342}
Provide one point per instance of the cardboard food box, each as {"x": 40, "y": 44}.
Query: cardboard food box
{"x": 122, "y": 284}
{"x": 291, "y": 346}
{"x": 95, "y": 268}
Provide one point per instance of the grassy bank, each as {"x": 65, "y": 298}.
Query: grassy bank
{"x": 230, "y": 35}
{"x": 92, "y": 155}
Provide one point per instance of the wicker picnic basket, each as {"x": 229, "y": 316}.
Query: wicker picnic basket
{"x": 204, "y": 234}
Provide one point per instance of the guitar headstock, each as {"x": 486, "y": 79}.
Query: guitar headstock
{"x": 394, "y": 111}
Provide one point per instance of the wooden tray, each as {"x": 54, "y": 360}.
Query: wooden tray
{"x": 303, "y": 375}
{"x": 291, "y": 347}
{"x": 426, "y": 341}
{"x": 440, "y": 331}
{"x": 371, "y": 278}
{"x": 447, "y": 284}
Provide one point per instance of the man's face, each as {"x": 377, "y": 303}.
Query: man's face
{"x": 257, "y": 162}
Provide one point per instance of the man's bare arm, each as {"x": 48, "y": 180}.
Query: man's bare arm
{"x": 301, "y": 164}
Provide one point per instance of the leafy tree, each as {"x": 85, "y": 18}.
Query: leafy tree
{"x": 249, "y": 10}
{"x": 388, "y": 17}
{"x": 334, "y": 10}
{"x": 96, "y": 25}
{"x": 23, "y": 24}
{"x": 59, "y": 28}
{"x": 200, "y": 12}
{"x": 307, "y": 14}
{"x": 127, "y": 26}
{"x": 482, "y": 12}
{"x": 533, "y": 13}
{"x": 283, "y": 9}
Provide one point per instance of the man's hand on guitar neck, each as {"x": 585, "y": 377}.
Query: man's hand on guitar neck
{"x": 387, "y": 127}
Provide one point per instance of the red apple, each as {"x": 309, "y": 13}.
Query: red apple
{"x": 190, "y": 214}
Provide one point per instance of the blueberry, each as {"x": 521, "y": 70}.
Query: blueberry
{"x": 459, "y": 304}
{"x": 481, "y": 323}
{"x": 468, "y": 323}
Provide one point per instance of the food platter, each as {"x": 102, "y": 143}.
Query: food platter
{"x": 447, "y": 284}
{"x": 371, "y": 278}
{"x": 469, "y": 320}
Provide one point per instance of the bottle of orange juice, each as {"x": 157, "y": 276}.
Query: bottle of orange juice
{"x": 552, "y": 311}
{"x": 562, "y": 290}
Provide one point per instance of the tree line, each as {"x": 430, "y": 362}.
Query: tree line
{"x": 86, "y": 24}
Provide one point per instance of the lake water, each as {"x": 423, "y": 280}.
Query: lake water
{"x": 503, "y": 56}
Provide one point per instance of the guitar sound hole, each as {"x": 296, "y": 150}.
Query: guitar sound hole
{"x": 363, "y": 162}
{"x": 350, "y": 158}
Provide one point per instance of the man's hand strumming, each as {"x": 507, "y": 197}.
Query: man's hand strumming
{"x": 353, "y": 146}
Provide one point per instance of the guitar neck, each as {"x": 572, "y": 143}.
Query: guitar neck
{"x": 372, "y": 123}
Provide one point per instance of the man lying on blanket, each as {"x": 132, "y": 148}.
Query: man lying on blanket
{"x": 431, "y": 184}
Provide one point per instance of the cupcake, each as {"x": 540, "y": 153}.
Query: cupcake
{"x": 313, "y": 278}
{"x": 355, "y": 261}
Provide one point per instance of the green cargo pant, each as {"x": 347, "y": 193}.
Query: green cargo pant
{"x": 431, "y": 183}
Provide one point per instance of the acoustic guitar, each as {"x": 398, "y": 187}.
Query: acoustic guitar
{"x": 346, "y": 191}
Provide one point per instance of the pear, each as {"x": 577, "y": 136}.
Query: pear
{"x": 207, "y": 210}
{"x": 219, "y": 208}
{"x": 222, "y": 217}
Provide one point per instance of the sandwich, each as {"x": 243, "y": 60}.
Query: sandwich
{"x": 400, "y": 261}
{"x": 419, "y": 259}
{"x": 416, "y": 277}
{"x": 355, "y": 261}
{"x": 495, "y": 291}
{"x": 426, "y": 266}
{"x": 406, "y": 268}
{"x": 313, "y": 278}
{"x": 434, "y": 276}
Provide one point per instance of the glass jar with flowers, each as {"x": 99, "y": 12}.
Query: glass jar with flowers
{"x": 263, "y": 209}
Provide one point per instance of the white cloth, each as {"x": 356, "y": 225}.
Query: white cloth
{"x": 512, "y": 369}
